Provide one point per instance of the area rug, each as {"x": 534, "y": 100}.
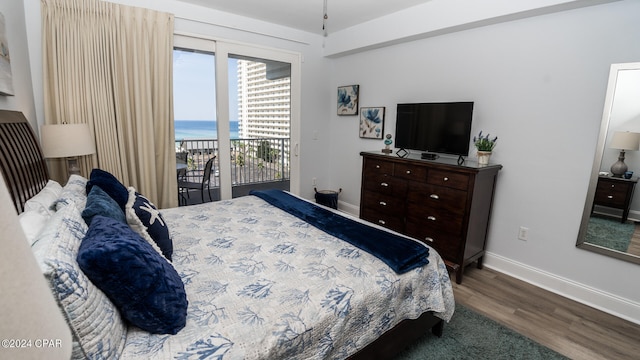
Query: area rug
{"x": 472, "y": 336}
{"x": 609, "y": 232}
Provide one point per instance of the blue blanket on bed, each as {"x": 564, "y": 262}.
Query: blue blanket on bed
{"x": 400, "y": 253}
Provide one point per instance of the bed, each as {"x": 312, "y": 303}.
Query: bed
{"x": 260, "y": 280}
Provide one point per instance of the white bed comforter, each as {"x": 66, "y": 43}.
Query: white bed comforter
{"x": 262, "y": 284}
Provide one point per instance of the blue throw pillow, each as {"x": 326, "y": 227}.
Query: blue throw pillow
{"x": 143, "y": 285}
{"x": 100, "y": 203}
{"x": 110, "y": 185}
{"x": 144, "y": 218}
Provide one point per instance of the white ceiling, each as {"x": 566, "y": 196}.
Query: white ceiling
{"x": 307, "y": 15}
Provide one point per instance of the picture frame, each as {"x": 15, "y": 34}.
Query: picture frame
{"x": 348, "y": 99}
{"x": 372, "y": 122}
{"x": 6, "y": 82}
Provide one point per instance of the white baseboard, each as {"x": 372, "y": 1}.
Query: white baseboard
{"x": 609, "y": 303}
{"x": 348, "y": 208}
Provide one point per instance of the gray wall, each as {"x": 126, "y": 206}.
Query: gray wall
{"x": 539, "y": 84}
{"x": 15, "y": 27}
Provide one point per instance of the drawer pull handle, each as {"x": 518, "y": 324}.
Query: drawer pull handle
{"x": 408, "y": 171}
{"x": 432, "y": 218}
{"x": 384, "y": 184}
{"x": 613, "y": 186}
{"x": 383, "y": 203}
{"x": 610, "y": 197}
{"x": 377, "y": 166}
{"x": 428, "y": 239}
{"x": 382, "y": 222}
{"x": 446, "y": 178}
{"x": 434, "y": 196}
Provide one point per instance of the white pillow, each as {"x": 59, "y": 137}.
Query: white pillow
{"x": 44, "y": 200}
{"x": 32, "y": 222}
{"x": 74, "y": 191}
{"x": 97, "y": 329}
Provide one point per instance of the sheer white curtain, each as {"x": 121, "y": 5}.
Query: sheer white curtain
{"x": 110, "y": 65}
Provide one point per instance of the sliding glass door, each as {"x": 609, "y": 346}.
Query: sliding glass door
{"x": 239, "y": 106}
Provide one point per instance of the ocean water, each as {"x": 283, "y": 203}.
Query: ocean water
{"x": 201, "y": 129}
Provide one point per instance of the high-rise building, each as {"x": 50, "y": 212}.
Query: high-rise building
{"x": 263, "y": 104}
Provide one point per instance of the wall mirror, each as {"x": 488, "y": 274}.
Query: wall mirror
{"x": 611, "y": 218}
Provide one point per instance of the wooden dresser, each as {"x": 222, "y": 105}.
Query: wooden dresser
{"x": 444, "y": 204}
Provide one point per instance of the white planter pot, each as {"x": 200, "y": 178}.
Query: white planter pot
{"x": 483, "y": 157}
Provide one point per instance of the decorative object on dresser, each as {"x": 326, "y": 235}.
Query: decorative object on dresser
{"x": 484, "y": 146}
{"x": 439, "y": 202}
{"x": 623, "y": 140}
{"x": 67, "y": 141}
{"x": 387, "y": 144}
{"x": 615, "y": 192}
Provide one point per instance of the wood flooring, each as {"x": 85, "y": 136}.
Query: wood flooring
{"x": 568, "y": 327}
{"x": 634, "y": 245}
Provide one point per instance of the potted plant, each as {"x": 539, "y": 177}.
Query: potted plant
{"x": 484, "y": 145}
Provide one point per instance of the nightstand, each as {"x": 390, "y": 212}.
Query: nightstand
{"x": 615, "y": 193}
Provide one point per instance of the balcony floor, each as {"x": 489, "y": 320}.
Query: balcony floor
{"x": 195, "y": 196}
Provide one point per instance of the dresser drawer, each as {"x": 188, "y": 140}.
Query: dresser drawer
{"x": 410, "y": 172}
{"x": 449, "y": 179}
{"x": 438, "y": 219}
{"x": 384, "y": 219}
{"x": 387, "y": 185}
{"x": 383, "y": 203}
{"x": 440, "y": 197}
{"x": 373, "y": 167}
{"x": 447, "y": 245}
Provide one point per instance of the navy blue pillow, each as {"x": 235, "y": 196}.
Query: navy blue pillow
{"x": 153, "y": 221}
{"x": 100, "y": 203}
{"x": 140, "y": 282}
{"x": 110, "y": 185}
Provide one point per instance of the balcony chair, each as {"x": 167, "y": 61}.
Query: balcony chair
{"x": 184, "y": 185}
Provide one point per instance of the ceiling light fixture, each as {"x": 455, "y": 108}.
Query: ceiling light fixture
{"x": 324, "y": 18}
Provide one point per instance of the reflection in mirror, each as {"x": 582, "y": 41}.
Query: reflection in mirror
{"x": 611, "y": 218}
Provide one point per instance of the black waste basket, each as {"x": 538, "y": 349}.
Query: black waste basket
{"x": 327, "y": 197}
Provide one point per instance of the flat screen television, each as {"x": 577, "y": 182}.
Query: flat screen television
{"x": 443, "y": 128}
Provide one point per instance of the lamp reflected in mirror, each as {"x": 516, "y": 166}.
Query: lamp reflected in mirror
{"x": 624, "y": 141}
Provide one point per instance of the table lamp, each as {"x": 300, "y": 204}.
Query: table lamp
{"x": 623, "y": 140}
{"x": 67, "y": 141}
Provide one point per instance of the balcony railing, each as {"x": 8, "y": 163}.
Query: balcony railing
{"x": 253, "y": 161}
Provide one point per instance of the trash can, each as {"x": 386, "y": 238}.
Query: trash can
{"x": 327, "y": 197}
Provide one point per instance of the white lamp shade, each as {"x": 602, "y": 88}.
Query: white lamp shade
{"x": 66, "y": 140}
{"x": 625, "y": 140}
{"x": 27, "y": 307}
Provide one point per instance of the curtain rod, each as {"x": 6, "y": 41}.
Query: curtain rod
{"x": 244, "y": 30}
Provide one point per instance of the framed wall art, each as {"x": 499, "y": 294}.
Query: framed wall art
{"x": 6, "y": 82}
{"x": 348, "y": 99}
{"x": 372, "y": 122}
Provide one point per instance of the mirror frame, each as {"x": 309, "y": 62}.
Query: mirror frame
{"x": 597, "y": 162}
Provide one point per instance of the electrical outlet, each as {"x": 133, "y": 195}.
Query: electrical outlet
{"x": 523, "y": 234}
{"x": 314, "y": 180}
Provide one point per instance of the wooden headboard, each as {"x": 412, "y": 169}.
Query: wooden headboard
{"x": 21, "y": 161}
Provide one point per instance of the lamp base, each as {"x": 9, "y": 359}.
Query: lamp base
{"x": 73, "y": 168}
{"x": 619, "y": 167}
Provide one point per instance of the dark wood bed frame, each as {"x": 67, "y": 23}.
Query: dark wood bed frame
{"x": 21, "y": 162}
{"x": 25, "y": 172}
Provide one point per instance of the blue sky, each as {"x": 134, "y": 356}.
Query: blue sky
{"x": 194, "y": 86}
